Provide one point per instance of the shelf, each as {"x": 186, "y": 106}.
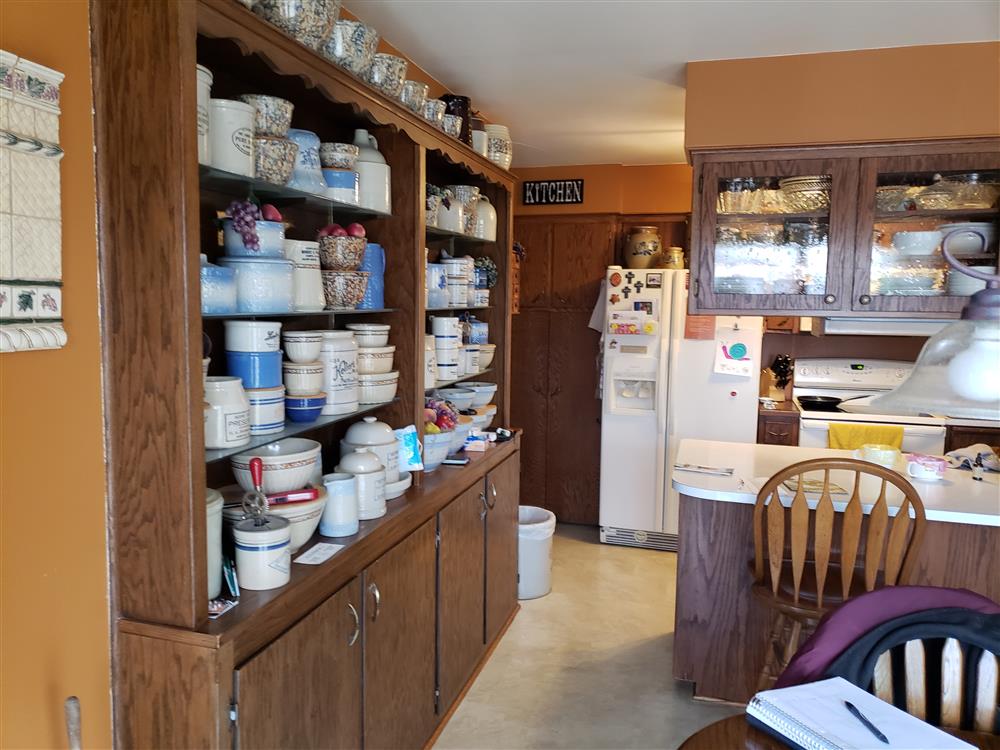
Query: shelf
{"x": 315, "y": 314}
{"x": 741, "y": 218}
{"x": 446, "y": 383}
{"x": 942, "y": 213}
{"x": 227, "y": 182}
{"x": 447, "y": 234}
{"x": 291, "y": 429}
{"x": 457, "y": 309}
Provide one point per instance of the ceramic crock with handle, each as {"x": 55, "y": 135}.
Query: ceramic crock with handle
{"x": 340, "y": 515}
{"x": 374, "y": 175}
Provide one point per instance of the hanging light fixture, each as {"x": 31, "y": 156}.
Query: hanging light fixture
{"x": 958, "y": 371}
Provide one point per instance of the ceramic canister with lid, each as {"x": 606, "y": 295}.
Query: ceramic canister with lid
{"x": 369, "y": 475}
{"x": 263, "y": 552}
{"x": 379, "y": 438}
{"x": 213, "y": 535}
{"x": 339, "y": 356}
{"x": 230, "y": 126}
{"x": 306, "y": 279}
{"x": 204, "y": 95}
{"x": 227, "y": 419}
{"x": 340, "y": 514}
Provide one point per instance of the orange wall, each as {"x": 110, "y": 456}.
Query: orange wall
{"x": 902, "y": 93}
{"x": 614, "y": 188}
{"x": 53, "y": 552}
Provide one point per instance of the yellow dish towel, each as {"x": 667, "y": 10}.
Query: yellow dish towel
{"x": 849, "y": 436}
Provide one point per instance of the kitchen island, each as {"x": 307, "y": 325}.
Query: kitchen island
{"x": 721, "y": 633}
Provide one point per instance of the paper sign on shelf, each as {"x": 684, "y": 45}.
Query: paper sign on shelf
{"x": 319, "y": 553}
{"x": 732, "y": 355}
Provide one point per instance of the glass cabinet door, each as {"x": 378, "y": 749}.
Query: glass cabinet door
{"x": 906, "y": 206}
{"x": 772, "y": 235}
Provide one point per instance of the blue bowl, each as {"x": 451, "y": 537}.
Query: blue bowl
{"x": 304, "y": 408}
{"x": 255, "y": 369}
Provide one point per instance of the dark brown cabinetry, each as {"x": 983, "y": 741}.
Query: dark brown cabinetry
{"x": 957, "y": 436}
{"x": 760, "y": 246}
{"x": 323, "y": 686}
{"x": 502, "y": 500}
{"x": 399, "y": 643}
{"x": 461, "y": 603}
{"x": 778, "y": 427}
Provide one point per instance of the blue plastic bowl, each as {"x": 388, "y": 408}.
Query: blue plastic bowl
{"x": 255, "y": 369}
{"x": 304, "y": 408}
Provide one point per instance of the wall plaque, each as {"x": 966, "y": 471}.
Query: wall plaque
{"x": 551, "y": 192}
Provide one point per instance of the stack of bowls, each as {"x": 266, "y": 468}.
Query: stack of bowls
{"x": 303, "y": 375}
{"x": 352, "y": 46}
{"x": 499, "y": 146}
{"x": 387, "y": 73}
{"x": 343, "y": 284}
{"x": 307, "y": 21}
{"x": 253, "y": 355}
{"x": 447, "y": 345}
{"x": 274, "y": 153}
{"x": 460, "y": 397}
{"x": 482, "y": 392}
{"x": 459, "y": 271}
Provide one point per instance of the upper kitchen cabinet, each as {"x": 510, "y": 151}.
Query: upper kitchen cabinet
{"x": 842, "y": 231}
{"x": 772, "y": 234}
{"x": 905, "y": 206}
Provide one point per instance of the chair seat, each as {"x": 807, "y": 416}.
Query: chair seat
{"x": 806, "y": 607}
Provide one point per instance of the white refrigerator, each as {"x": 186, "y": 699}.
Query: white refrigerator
{"x": 659, "y": 387}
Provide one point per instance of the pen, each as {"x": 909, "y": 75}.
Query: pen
{"x": 863, "y": 719}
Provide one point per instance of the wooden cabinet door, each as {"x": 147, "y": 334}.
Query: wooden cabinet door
{"x": 304, "y": 690}
{"x": 961, "y": 437}
{"x": 581, "y": 254}
{"x": 399, "y": 622}
{"x": 778, "y": 429}
{"x": 535, "y": 235}
{"x": 461, "y": 591}
{"x": 502, "y": 498}
{"x": 529, "y": 402}
{"x": 886, "y": 277}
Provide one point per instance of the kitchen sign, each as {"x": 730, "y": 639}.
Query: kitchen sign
{"x": 552, "y": 192}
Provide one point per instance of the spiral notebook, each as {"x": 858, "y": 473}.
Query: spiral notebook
{"x": 814, "y": 717}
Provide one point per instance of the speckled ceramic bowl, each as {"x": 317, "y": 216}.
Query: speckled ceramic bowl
{"x": 352, "y": 46}
{"x": 452, "y": 125}
{"x": 387, "y": 74}
{"x": 272, "y": 115}
{"x": 434, "y": 110}
{"x": 414, "y": 95}
{"x": 341, "y": 253}
{"x": 308, "y": 21}
{"x": 275, "y": 159}
{"x": 344, "y": 289}
{"x": 338, "y": 155}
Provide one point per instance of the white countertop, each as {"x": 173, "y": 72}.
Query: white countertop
{"x": 955, "y": 499}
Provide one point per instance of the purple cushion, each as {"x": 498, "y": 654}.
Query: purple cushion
{"x": 840, "y": 627}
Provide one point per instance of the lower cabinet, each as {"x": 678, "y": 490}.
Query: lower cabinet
{"x": 315, "y": 669}
{"x": 957, "y": 436}
{"x": 399, "y": 628}
{"x": 502, "y": 499}
{"x": 778, "y": 428}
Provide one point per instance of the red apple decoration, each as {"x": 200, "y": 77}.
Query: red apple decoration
{"x": 356, "y": 230}
{"x": 329, "y": 230}
{"x": 270, "y": 213}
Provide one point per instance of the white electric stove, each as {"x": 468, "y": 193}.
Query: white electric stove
{"x": 867, "y": 378}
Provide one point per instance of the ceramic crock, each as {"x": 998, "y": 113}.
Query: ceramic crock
{"x": 451, "y": 213}
{"x": 306, "y": 280}
{"x": 339, "y": 356}
{"x": 643, "y": 247}
{"x": 263, "y": 553}
{"x": 374, "y": 175}
{"x": 227, "y": 423}
{"x": 213, "y": 535}
{"x": 486, "y": 220}
{"x": 204, "y": 94}
{"x": 377, "y": 437}
{"x": 369, "y": 475}
{"x": 230, "y": 125}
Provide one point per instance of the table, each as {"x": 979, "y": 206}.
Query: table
{"x": 735, "y": 733}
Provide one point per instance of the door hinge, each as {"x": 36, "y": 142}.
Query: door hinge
{"x": 234, "y": 712}
{"x": 437, "y": 539}
{"x": 437, "y": 699}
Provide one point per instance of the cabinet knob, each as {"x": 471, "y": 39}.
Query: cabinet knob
{"x": 864, "y": 299}
{"x": 376, "y": 599}
{"x": 357, "y": 625}
{"x": 830, "y": 299}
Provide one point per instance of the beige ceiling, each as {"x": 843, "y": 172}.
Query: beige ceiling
{"x": 588, "y": 82}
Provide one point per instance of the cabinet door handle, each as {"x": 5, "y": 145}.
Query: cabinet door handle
{"x": 357, "y": 625}
{"x": 376, "y": 598}
{"x": 482, "y": 499}
{"x": 493, "y": 490}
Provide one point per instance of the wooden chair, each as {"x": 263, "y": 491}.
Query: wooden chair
{"x": 941, "y": 665}
{"x": 791, "y": 569}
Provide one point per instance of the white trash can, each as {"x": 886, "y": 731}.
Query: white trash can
{"x": 534, "y": 551}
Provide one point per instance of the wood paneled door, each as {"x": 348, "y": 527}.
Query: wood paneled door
{"x": 399, "y": 615}
{"x": 323, "y": 689}
{"x": 461, "y": 591}
{"x": 502, "y": 500}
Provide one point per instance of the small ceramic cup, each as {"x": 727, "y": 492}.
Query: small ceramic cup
{"x": 926, "y": 468}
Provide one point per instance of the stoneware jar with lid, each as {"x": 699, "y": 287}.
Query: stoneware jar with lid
{"x": 369, "y": 475}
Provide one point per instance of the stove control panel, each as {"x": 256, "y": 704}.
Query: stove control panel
{"x": 876, "y": 374}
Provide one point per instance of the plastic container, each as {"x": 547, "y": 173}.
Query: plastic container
{"x": 213, "y": 535}
{"x": 535, "y": 527}
{"x": 340, "y": 360}
{"x": 204, "y": 95}
{"x": 263, "y": 554}
{"x": 340, "y": 516}
{"x": 255, "y": 369}
{"x": 218, "y": 289}
{"x": 230, "y": 125}
{"x": 263, "y": 285}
